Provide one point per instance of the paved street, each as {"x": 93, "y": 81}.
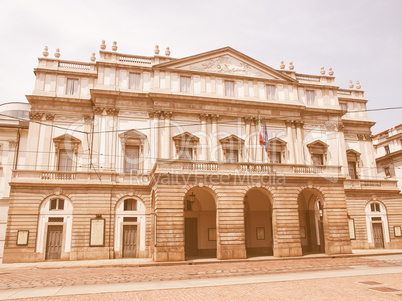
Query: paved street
{"x": 303, "y": 279}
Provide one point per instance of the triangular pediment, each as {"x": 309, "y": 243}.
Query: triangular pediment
{"x": 132, "y": 134}
{"x": 226, "y": 61}
{"x": 277, "y": 141}
{"x": 66, "y": 139}
{"x": 187, "y": 137}
{"x": 317, "y": 144}
{"x": 232, "y": 139}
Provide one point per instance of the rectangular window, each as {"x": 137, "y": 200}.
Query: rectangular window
{"x": 130, "y": 205}
{"x": 186, "y": 153}
{"x": 185, "y": 84}
{"x": 310, "y": 97}
{"x": 135, "y": 81}
{"x": 65, "y": 160}
{"x": 270, "y": 92}
{"x": 387, "y": 150}
{"x": 275, "y": 157}
{"x": 229, "y": 88}
{"x": 57, "y": 204}
{"x": 318, "y": 159}
{"x": 387, "y": 172}
{"x": 352, "y": 169}
{"x": 131, "y": 159}
{"x": 72, "y": 86}
{"x": 344, "y": 106}
{"x": 232, "y": 155}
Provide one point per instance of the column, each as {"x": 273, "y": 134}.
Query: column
{"x": 97, "y": 137}
{"x": 154, "y": 139}
{"x": 162, "y": 134}
{"x": 247, "y": 122}
{"x": 167, "y": 136}
{"x": 204, "y": 137}
{"x": 102, "y": 140}
{"x": 291, "y": 142}
{"x": 111, "y": 125}
{"x": 300, "y": 152}
{"x": 254, "y": 139}
{"x": 33, "y": 139}
{"x": 214, "y": 155}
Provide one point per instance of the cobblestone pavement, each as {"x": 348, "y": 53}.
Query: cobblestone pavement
{"x": 14, "y": 278}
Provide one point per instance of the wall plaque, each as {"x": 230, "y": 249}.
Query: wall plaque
{"x": 22, "y": 237}
{"x": 97, "y": 232}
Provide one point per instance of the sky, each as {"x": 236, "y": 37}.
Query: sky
{"x": 360, "y": 40}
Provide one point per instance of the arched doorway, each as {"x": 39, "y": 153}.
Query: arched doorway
{"x": 55, "y": 228}
{"x": 199, "y": 223}
{"x": 130, "y": 228}
{"x": 258, "y": 223}
{"x": 377, "y": 225}
{"x": 311, "y": 216}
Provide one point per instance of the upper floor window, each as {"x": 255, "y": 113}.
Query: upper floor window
{"x": 387, "y": 150}
{"x": 352, "y": 169}
{"x": 72, "y": 86}
{"x": 275, "y": 157}
{"x": 130, "y": 205}
{"x": 229, "y": 88}
{"x": 185, "y": 84}
{"x": 65, "y": 160}
{"x": 387, "y": 172}
{"x": 310, "y": 95}
{"x": 318, "y": 159}
{"x": 270, "y": 92}
{"x": 186, "y": 153}
{"x": 135, "y": 81}
{"x": 56, "y": 204}
{"x": 232, "y": 155}
{"x": 131, "y": 157}
{"x": 318, "y": 150}
{"x": 344, "y": 106}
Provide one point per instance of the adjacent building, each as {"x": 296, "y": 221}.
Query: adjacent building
{"x": 211, "y": 155}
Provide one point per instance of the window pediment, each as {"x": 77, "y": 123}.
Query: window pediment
{"x": 317, "y": 147}
{"x": 232, "y": 142}
{"x": 132, "y": 134}
{"x": 352, "y": 155}
{"x": 185, "y": 139}
{"x": 67, "y": 142}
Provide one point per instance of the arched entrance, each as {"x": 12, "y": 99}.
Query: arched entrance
{"x": 200, "y": 223}
{"x": 311, "y": 216}
{"x": 258, "y": 223}
{"x": 377, "y": 225}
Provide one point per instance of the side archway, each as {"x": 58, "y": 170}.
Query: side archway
{"x": 130, "y": 227}
{"x": 55, "y": 227}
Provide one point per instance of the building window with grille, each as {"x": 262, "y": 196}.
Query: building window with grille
{"x": 310, "y": 96}
{"x": 352, "y": 169}
{"x": 387, "y": 172}
{"x": 56, "y": 204}
{"x": 135, "y": 81}
{"x": 275, "y": 157}
{"x": 317, "y": 159}
{"x": 130, "y": 205}
{"x": 185, "y": 84}
{"x": 387, "y": 150}
{"x": 131, "y": 157}
{"x": 72, "y": 86}
{"x": 229, "y": 88}
{"x": 186, "y": 153}
{"x": 270, "y": 92}
{"x": 375, "y": 207}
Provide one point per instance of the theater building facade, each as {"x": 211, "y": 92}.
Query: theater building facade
{"x": 212, "y": 155}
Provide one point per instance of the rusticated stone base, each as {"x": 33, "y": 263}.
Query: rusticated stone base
{"x": 168, "y": 254}
{"x": 231, "y": 252}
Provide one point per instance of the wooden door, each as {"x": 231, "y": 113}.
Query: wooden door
{"x": 54, "y": 242}
{"x": 378, "y": 237}
{"x": 129, "y": 241}
{"x": 191, "y": 237}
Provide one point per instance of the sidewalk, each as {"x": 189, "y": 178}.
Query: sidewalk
{"x": 143, "y": 262}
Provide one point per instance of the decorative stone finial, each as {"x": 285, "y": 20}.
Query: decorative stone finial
{"x": 45, "y": 52}
{"x": 358, "y": 86}
{"x": 93, "y": 58}
{"x": 322, "y": 71}
{"x": 330, "y": 72}
{"x": 57, "y": 53}
{"x": 291, "y": 67}
{"x": 114, "y": 47}
{"x": 156, "y": 51}
{"x": 167, "y": 52}
{"x": 103, "y": 45}
{"x": 351, "y": 84}
{"x": 282, "y": 65}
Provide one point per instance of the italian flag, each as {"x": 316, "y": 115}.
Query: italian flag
{"x": 259, "y": 132}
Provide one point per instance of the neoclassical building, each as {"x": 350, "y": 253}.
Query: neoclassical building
{"x": 211, "y": 155}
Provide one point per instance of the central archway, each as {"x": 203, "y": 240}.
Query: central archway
{"x": 258, "y": 222}
{"x": 311, "y": 220}
{"x": 200, "y": 223}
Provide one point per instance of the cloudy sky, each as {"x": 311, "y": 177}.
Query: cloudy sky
{"x": 360, "y": 40}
